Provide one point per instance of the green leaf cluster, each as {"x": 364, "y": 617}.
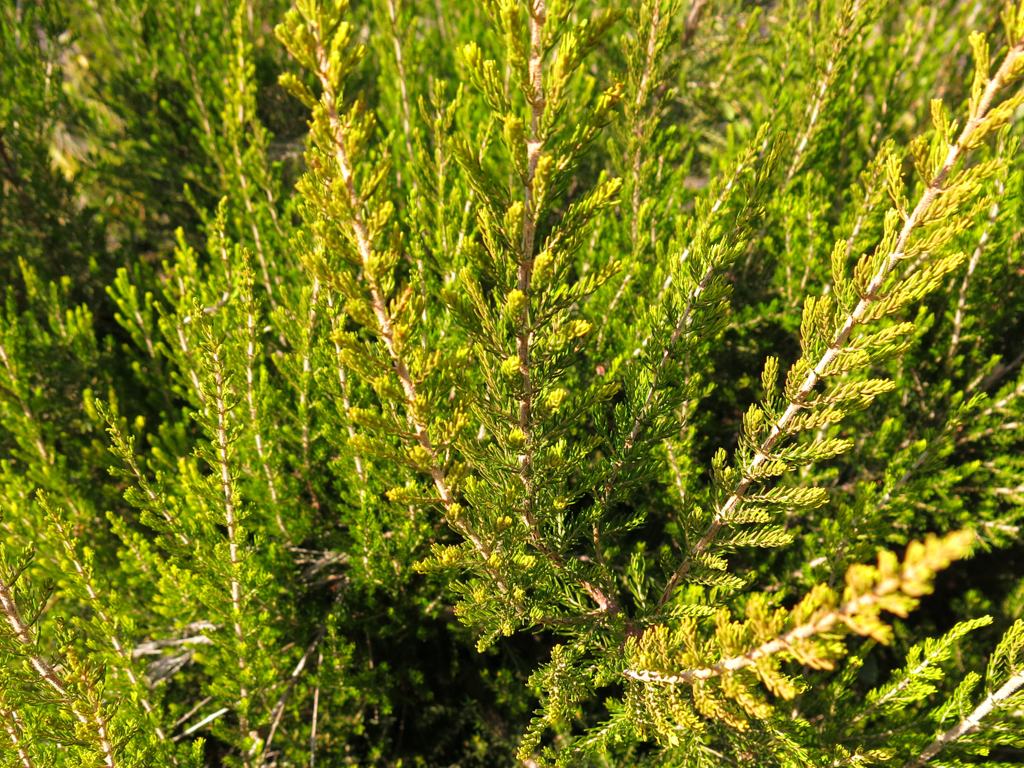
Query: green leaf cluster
{"x": 522, "y": 382}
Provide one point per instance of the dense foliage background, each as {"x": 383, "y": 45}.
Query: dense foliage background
{"x": 449, "y": 383}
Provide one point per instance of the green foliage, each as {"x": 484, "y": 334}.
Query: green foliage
{"x": 523, "y": 382}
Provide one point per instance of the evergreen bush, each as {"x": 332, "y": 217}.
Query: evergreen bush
{"x": 512, "y": 382}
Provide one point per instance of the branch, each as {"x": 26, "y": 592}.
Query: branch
{"x": 254, "y": 414}
{"x": 403, "y": 87}
{"x": 346, "y": 403}
{"x": 524, "y": 333}
{"x": 693, "y": 21}
{"x": 643, "y": 414}
{"x": 781, "y": 643}
{"x": 92, "y": 719}
{"x": 972, "y": 264}
{"x": 222, "y": 442}
{"x": 12, "y": 724}
{"x": 969, "y": 723}
{"x": 907, "y": 580}
{"x": 278, "y": 710}
{"x": 304, "y": 392}
{"x": 12, "y": 172}
{"x": 639, "y": 136}
{"x": 377, "y": 300}
{"x": 26, "y": 411}
{"x": 818, "y": 102}
{"x": 243, "y": 181}
{"x": 85, "y": 576}
{"x": 534, "y": 147}
{"x": 842, "y": 336}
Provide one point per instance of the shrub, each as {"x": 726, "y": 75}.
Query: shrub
{"x": 525, "y": 382}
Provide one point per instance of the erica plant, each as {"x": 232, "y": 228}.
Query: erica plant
{"x": 513, "y": 382}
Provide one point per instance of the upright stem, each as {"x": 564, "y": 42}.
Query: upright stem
{"x": 231, "y": 523}
{"x": 534, "y": 148}
{"x": 536, "y": 97}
